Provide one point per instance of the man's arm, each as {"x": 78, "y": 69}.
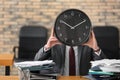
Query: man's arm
{"x": 42, "y": 54}
{"x": 98, "y": 54}
{"x": 45, "y": 52}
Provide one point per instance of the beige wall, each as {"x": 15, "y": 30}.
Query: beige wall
{"x": 16, "y": 13}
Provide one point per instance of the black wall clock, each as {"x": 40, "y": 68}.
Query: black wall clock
{"x": 72, "y": 27}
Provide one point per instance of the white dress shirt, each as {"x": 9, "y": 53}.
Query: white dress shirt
{"x": 66, "y": 66}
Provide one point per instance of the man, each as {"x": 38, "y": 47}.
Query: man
{"x": 59, "y": 53}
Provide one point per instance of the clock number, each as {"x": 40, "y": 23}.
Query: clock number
{"x": 86, "y": 27}
{"x": 79, "y": 15}
{"x": 60, "y": 21}
{"x": 72, "y": 13}
{"x": 65, "y": 16}
{"x": 72, "y": 41}
{"x": 80, "y": 39}
{"x": 60, "y": 34}
{"x": 58, "y": 28}
{"x": 65, "y": 39}
{"x": 84, "y": 34}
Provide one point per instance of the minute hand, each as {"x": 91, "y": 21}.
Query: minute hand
{"x": 79, "y": 24}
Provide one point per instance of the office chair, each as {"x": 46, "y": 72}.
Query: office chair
{"x": 31, "y": 39}
{"x": 108, "y": 40}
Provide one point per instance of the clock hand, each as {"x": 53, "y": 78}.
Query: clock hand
{"x": 66, "y": 24}
{"x": 79, "y": 23}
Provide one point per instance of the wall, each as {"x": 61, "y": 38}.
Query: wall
{"x": 16, "y": 13}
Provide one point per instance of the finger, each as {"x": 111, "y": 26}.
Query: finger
{"x": 58, "y": 42}
{"x": 93, "y": 34}
{"x": 52, "y": 32}
{"x": 54, "y": 39}
{"x": 94, "y": 38}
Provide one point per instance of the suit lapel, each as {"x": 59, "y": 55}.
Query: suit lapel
{"x": 84, "y": 60}
{"x": 79, "y": 56}
{"x": 63, "y": 48}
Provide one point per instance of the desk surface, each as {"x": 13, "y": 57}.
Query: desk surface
{"x": 6, "y": 59}
{"x": 9, "y": 78}
{"x": 71, "y": 78}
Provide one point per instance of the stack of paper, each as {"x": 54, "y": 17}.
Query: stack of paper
{"x": 107, "y": 65}
{"x": 35, "y": 65}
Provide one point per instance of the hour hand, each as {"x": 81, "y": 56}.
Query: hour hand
{"x": 66, "y": 24}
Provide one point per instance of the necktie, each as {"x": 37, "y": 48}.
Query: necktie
{"x": 72, "y": 70}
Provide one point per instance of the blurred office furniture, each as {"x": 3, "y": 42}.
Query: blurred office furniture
{"x": 31, "y": 39}
{"x": 108, "y": 40}
{"x": 6, "y": 60}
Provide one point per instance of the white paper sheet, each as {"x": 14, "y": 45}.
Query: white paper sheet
{"x": 107, "y": 65}
{"x": 33, "y": 63}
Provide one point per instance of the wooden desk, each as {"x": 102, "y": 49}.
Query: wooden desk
{"x": 9, "y": 78}
{"x": 71, "y": 78}
{"x": 6, "y": 60}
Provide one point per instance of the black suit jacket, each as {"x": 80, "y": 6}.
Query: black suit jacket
{"x": 57, "y": 54}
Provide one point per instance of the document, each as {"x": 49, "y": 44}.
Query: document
{"x": 107, "y": 65}
{"x": 25, "y": 67}
{"x": 36, "y": 65}
{"x": 100, "y": 73}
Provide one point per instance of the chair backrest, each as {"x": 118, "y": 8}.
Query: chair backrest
{"x": 108, "y": 40}
{"x": 31, "y": 39}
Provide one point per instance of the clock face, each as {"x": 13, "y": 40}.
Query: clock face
{"x": 72, "y": 27}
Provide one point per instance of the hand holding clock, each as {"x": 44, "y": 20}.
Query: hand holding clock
{"x": 92, "y": 42}
{"x": 52, "y": 41}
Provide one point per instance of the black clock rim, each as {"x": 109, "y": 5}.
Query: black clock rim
{"x": 84, "y": 40}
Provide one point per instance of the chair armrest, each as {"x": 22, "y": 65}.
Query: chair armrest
{"x": 119, "y": 53}
{"x": 15, "y": 51}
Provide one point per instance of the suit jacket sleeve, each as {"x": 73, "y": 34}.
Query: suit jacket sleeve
{"x": 98, "y": 57}
{"x": 42, "y": 55}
